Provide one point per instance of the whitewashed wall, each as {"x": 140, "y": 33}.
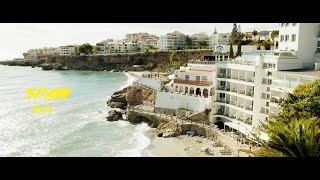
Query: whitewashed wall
{"x": 176, "y": 101}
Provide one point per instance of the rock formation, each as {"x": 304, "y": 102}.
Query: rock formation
{"x": 136, "y": 95}
{"x": 114, "y": 115}
{"x": 46, "y": 66}
{"x": 118, "y": 99}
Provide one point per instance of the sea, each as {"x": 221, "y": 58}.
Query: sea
{"x": 76, "y": 126}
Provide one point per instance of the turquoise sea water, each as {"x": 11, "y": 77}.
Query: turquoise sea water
{"x": 76, "y": 126}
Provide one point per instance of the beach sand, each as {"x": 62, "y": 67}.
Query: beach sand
{"x": 138, "y": 73}
{"x": 181, "y": 146}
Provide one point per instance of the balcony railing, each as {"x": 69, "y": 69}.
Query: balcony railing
{"x": 249, "y": 107}
{"x": 250, "y": 79}
{"x": 193, "y": 82}
{"x": 201, "y": 62}
{"x": 266, "y": 111}
{"x": 221, "y": 75}
{"x": 235, "y": 90}
{"x": 242, "y": 78}
{"x": 221, "y": 87}
{"x": 221, "y": 100}
{"x": 234, "y": 77}
{"x": 250, "y": 93}
{"x": 242, "y": 91}
{"x": 220, "y": 112}
{"x": 241, "y": 105}
{"x": 275, "y": 100}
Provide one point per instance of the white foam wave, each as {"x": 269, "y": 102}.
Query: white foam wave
{"x": 139, "y": 139}
{"x": 130, "y": 80}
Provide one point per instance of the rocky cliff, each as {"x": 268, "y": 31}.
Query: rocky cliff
{"x": 118, "y": 62}
{"x": 132, "y": 96}
{"x": 118, "y": 99}
{"x": 136, "y": 95}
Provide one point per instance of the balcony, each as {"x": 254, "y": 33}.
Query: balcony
{"x": 235, "y": 90}
{"x": 241, "y": 105}
{"x": 242, "y": 91}
{"x": 264, "y": 111}
{"x": 193, "y": 82}
{"x": 223, "y": 100}
{"x": 222, "y": 88}
{"x": 234, "y": 77}
{"x": 250, "y": 93}
{"x": 221, "y": 75}
{"x": 201, "y": 62}
{"x": 249, "y": 107}
{"x": 242, "y": 78}
{"x": 220, "y": 112}
{"x": 234, "y": 103}
{"x": 275, "y": 100}
{"x": 250, "y": 79}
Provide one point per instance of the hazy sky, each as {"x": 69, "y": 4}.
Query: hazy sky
{"x": 16, "y": 38}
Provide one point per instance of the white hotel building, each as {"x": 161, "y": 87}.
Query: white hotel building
{"x": 247, "y": 89}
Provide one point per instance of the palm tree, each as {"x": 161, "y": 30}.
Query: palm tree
{"x": 298, "y": 138}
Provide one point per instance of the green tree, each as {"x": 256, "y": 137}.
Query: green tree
{"x": 274, "y": 33}
{"x": 25, "y": 55}
{"x": 231, "y": 51}
{"x": 202, "y": 44}
{"x": 295, "y": 132}
{"x": 239, "y": 49}
{"x": 254, "y": 33}
{"x": 188, "y": 41}
{"x": 97, "y": 49}
{"x": 234, "y": 34}
{"x": 304, "y": 102}
{"x": 86, "y": 49}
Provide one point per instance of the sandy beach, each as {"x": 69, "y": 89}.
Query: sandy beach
{"x": 182, "y": 146}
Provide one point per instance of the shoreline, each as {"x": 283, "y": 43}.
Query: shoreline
{"x": 180, "y": 146}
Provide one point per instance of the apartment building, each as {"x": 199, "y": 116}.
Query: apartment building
{"x": 36, "y": 53}
{"x": 172, "y": 41}
{"x": 200, "y": 37}
{"x": 67, "y": 50}
{"x": 249, "y": 88}
{"x": 245, "y": 92}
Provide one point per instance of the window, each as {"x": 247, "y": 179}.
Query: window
{"x": 268, "y": 89}
{"x": 318, "y": 45}
{"x": 293, "y": 37}
{"x": 268, "y": 96}
{"x": 282, "y": 24}
{"x": 287, "y": 24}
{"x": 281, "y": 38}
{"x": 294, "y": 24}
{"x": 176, "y": 75}
{"x": 265, "y": 65}
{"x": 287, "y": 38}
{"x": 204, "y": 78}
{"x": 187, "y": 77}
{"x": 269, "y": 73}
{"x": 198, "y": 78}
{"x": 269, "y": 81}
{"x": 267, "y": 104}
